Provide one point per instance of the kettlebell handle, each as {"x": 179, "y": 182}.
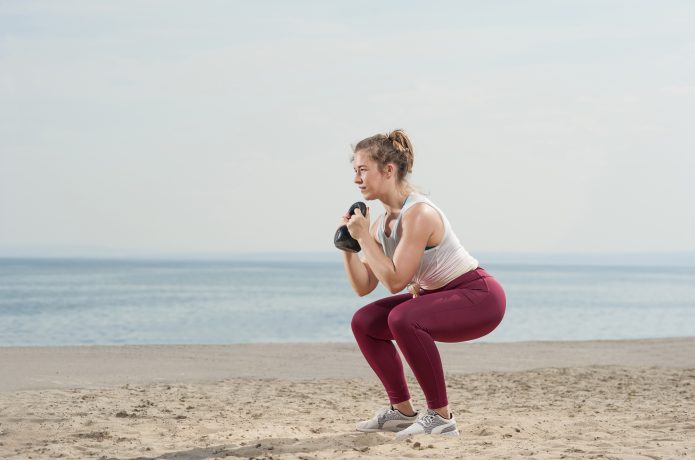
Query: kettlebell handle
{"x": 342, "y": 239}
{"x": 359, "y": 204}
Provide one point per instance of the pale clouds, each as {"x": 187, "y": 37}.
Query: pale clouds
{"x": 168, "y": 126}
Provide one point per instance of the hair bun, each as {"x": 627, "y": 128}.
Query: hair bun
{"x": 399, "y": 140}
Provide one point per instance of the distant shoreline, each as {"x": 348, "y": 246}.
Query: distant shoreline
{"x": 28, "y": 368}
{"x": 621, "y": 259}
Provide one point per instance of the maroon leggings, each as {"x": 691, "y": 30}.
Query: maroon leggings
{"x": 469, "y": 307}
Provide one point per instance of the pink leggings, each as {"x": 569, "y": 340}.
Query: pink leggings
{"x": 469, "y": 307}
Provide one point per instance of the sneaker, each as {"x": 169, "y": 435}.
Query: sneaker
{"x": 387, "y": 419}
{"x": 431, "y": 423}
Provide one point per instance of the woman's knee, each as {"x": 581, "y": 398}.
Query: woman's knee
{"x": 363, "y": 320}
{"x": 399, "y": 320}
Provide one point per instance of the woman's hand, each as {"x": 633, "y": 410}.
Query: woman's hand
{"x": 343, "y": 220}
{"x": 358, "y": 225}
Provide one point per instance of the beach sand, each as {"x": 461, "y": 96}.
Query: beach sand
{"x": 603, "y": 399}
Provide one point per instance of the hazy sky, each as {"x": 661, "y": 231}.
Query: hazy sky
{"x": 164, "y": 126}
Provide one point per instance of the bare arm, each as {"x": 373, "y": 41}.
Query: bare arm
{"x": 417, "y": 225}
{"x": 360, "y": 275}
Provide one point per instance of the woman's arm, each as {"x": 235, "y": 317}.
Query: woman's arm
{"x": 360, "y": 275}
{"x": 417, "y": 225}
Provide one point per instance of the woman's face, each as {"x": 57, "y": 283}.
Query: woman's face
{"x": 367, "y": 175}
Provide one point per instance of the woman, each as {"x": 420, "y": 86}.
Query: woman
{"x": 450, "y": 299}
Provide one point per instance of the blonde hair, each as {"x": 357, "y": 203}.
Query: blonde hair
{"x": 394, "y": 147}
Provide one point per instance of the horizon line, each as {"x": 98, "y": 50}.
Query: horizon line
{"x": 601, "y": 258}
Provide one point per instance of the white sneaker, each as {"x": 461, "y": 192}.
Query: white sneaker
{"x": 431, "y": 423}
{"x": 387, "y": 419}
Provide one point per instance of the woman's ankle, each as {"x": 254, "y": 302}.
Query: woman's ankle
{"x": 443, "y": 412}
{"x": 405, "y": 408}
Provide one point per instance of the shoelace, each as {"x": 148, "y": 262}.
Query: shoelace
{"x": 427, "y": 420}
{"x": 381, "y": 416}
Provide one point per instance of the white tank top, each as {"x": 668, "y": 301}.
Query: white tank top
{"x": 439, "y": 265}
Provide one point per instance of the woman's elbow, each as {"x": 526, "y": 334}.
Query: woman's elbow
{"x": 363, "y": 290}
{"x": 367, "y": 288}
{"x": 395, "y": 288}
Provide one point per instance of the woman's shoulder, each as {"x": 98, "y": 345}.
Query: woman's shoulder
{"x": 420, "y": 212}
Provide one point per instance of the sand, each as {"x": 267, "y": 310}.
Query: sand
{"x": 605, "y": 399}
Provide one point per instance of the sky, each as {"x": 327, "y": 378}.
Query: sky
{"x": 226, "y": 126}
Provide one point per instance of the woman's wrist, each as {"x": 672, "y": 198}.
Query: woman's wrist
{"x": 347, "y": 255}
{"x": 364, "y": 243}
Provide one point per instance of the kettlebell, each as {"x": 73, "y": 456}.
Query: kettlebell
{"x": 342, "y": 238}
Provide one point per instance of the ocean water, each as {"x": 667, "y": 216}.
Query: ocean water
{"x": 72, "y": 302}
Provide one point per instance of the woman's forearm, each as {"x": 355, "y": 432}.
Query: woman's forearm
{"x": 382, "y": 266}
{"x": 358, "y": 274}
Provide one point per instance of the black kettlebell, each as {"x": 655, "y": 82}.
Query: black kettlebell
{"x": 342, "y": 238}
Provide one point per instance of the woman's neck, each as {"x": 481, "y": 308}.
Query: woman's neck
{"x": 395, "y": 201}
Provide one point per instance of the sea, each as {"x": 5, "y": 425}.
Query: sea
{"x": 62, "y": 301}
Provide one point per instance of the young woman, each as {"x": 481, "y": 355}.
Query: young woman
{"x": 450, "y": 298}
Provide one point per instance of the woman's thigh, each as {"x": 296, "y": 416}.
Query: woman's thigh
{"x": 454, "y": 315}
{"x": 372, "y": 319}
